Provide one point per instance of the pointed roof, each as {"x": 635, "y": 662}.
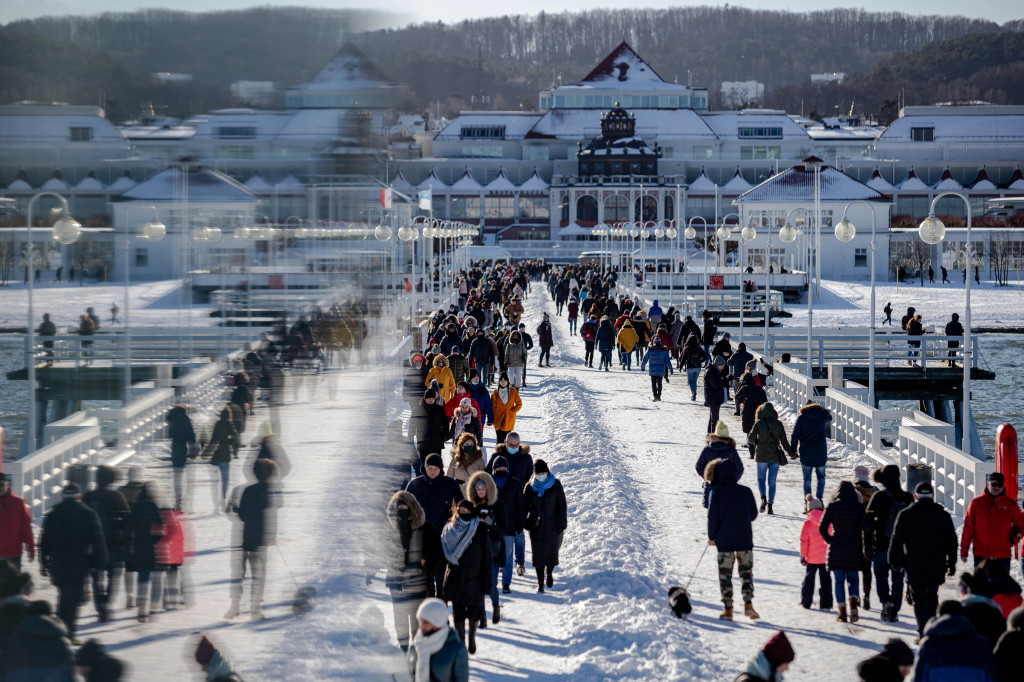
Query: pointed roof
{"x": 123, "y": 183}
{"x": 912, "y": 183}
{"x": 55, "y": 183}
{"x": 501, "y": 183}
{"x": 348, "y": 69}
{"x": 259, "y": 185}
{"x": 1016, "y": 180}
{"x": 89, "y": 182}
{"x": 432, "y": 181}
{"x": 203, "y": 185}
{"x": 947, "y": 184}
{"x": 20, "y": 183}
{"x": 797, "y": 185}
{"x": 982, "y": 182}
{"x": 466, "y": 184}
{"x": 623, "y": 65}
{"x": 534, "y": 183}
{"x": 290, "y": 184}
{"x": 737, "y": 184}
{"x": 400, "y": 184}
{"x": 878, "y": 183}
{"x": 701, "y": 185}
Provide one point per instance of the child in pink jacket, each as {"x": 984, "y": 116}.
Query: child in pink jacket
{"x": 171, "y": 551}
{"x": 812, "y": 555}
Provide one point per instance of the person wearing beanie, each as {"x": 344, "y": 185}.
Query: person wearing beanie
{"x": 892, "y": 664}
{"x": 771, "y": 661}
{"x": 924, "y": 546}
{"x": 844, "y": 526}
{"x": 436, "y": 493}
{"x": 992, "y": 524}
{"x": 96, "y": 665}
{"x": 510, "y": 494}
{"x": 866, "y": 489}
{"x": 429, "y": 426}
{"x": 714, "y": 390}
{"x": 70, "y": 547}
{"x": 812, "y": 556}
{"x": 718, "y": 446}
{"x": 214, "y": 663}
{"x": 468, "y": 559}
{"x": 15, "y": 526}
{"x": 546, "y": 520}
{"x": 737, "y": 368}
{"x": 1010, "y": 644}
{"x": 882, "y": 509}
{"x": 256, "y": 510}
{"x": 659, "y": 364}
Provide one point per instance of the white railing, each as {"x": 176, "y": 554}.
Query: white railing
{"x": 202, "y": 386}
{"x": 856, "y": 423}
{"x": 792, "y": 389}
{"x": 141, "y": 419}
{"x": 40, "y": 476}
{"x": 957, "y": 476}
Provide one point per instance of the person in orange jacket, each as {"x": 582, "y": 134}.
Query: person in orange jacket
{"x": 992, "y": 524}
{"x": 506, "y": 404}
{"x": 444, "y": 376}
{"x": 15, "y": 526}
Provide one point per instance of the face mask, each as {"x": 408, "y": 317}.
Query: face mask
{"x": 404, "y": 514}
{"x": 512, "y": 451}
{"x": 466, "y": 516}
{"x": 468, "y": 448}
{"x": 541, "y": 477}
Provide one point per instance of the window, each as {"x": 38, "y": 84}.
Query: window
{"x": 860, "y": 258}
{"x": 670, "y": 207}
{"x": 236, "y": 131}
{"x": 536, "y": 153}
{"x": 668, "y": 152}
{"x": 586, "y": 209}
{"x": 702, "y": 206}
{"x": 533, "y": 207}
{"x": 616, "y": 209}
{"x": 500, "y": 207}
{"x": 760, "y": 132}
{"x": 465, "y": 207}
{"x": 978, "y": 205}
{"x": 760, "y": 153}
{"x": 80, "y": 134}
{"x": 482, "y": 133}
{"x": 922, "y": 134}
{"x": 701, "y": 152}
{"x": 141, "y": 258}
{"x": 649, "y": 205}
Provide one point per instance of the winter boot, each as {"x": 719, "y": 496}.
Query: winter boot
{"x": 496, "y": 618}
{"x": 143, "y": 611}
{"x": 693, "y": 396}
{"x": 233, "y": 610}
{"x": 520, "y": 569}
{"x": 749, "y": 612}
{"x": 841, "y": 618}
{"x": 540, "y": 364}
{"x": 540, "y": 579}
{"x": 764, "y": 503}
{"x": 483, "y": 619}
{"x": 460, "y": 629}
{"x": 771, "y": 512}
{"x": 471, "y": 645}
{"x": 551, "y": 577}
{"x": 854, "y": 615}
{"x": 865, "y": 601}
{"x": 726, "y": 613}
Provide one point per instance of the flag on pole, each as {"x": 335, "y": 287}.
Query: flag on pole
{"x": 425, "y": 199}
{"x": 385, "y": 197}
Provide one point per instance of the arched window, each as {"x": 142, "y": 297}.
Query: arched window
{"x": 616, "y": 209}
{"x": 650, "y": 208}
{"x": 670, "y": 207}
{"x": 586, "y": 209}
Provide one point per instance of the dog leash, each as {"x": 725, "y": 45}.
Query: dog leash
{"x": 687, "y": 588}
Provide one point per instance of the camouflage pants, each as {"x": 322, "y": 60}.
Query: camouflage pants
{"x": 746, "y": 562}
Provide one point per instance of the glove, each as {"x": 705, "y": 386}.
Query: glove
{"x": 803, "y": 561}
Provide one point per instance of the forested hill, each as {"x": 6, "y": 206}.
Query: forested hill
{"x": 506, "y": 59}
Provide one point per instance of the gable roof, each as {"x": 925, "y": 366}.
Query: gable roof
{"x": 661, "y": 124}
{"x": 125, "y": 182}
{"x": 878, "y": 183}
{"x": 258, "y": 184}
{"x": 797, "y": 185}
{"x": 55, "y": 183}
{"x": 702, "y": 185}
{"x": 912, "y": 183}
{"x": 89, "y": 182}
{"x": 432, "y": 182}
{"x": 737, "y": 184}
{"x": 1016, "y": 180}
{"x": 203, "y": 184}
{"x": 947, "y": 183}
{"x": 400, "y": 184}
{"x": 982, "y": 182}
{"x": 622, "y": 65}
{"x": 466, "y": 184}
{"x": 534, "y": 184}
{"x": 501, "y": 183}
{"x": 348, "y": 69}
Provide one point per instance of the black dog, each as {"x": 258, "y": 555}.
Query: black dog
{"x": 679, "y": 600}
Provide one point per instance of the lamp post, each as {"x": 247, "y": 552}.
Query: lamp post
{"x": 691, "y": 233}
{"x": 845, "y": 232}
{"x": 152, "y": 231}
{"x": 932, "y": 231}
{"x": 788, "y": 229}
{"x": 66, "y": 231}
{"x": 724, "y": 232}
{"x": 672, "y": 233}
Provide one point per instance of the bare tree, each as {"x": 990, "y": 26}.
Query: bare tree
{"x": 7, "y": 256}
{"x": 1003, "y": 254}
{"x": 912, "y": 256}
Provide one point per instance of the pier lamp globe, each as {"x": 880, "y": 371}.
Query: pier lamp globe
{"x": 300, "y": 233}
{"x": 723, "y": 232}
{"x": 382, "y": 233}
{"x": 645, "y": 233}
{"x": 153, "y": 231}
{"x": 659, "y": 232}
{"x": 66, "y": 230}
{"x": 242, "y": 232}
{"x": 931, "y": 231}
{"x": 749, "y": 233}
{"x": 671, "y": 233}
{"x": 788, "y": 233}
{"x": 690, "y": 232}
{"x": 212, "y": 234}
{"x": 845, "y": 230}
{"x": 634, "y": 233}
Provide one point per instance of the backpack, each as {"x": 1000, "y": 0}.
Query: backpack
{"x": 588, "y": 332}
{"x": 890, "y": 519}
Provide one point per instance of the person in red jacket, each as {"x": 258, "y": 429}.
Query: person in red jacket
{"x": 993, "y": 523}
{"x": 15, "y": 525}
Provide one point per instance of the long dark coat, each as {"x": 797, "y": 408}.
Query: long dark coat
{"x": 849, "y": 538}
{"x": 147, "y": 527}
{"x": 546, "y": 518}
{"x": 468, "y": 582}
{"x": 544, "y": 337}
{"x": 72, "y": 542}
{"x": 752, "y": 397}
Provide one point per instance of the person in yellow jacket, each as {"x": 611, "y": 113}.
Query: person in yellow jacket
{"x": 505, "y": 403}
{"x": 626, "y": 340}
{"x": 444, "y": 376}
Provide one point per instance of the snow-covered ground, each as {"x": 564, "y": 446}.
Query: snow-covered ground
{"x": 636, "y": 527}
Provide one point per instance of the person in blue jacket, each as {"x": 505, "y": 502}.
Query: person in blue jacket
{"x": 478, "y": 392}
{"x": 605, "y": 343}
{"x": 660, "y": 362}
{"x": 731, "y": 512}
{"x": 810, "y": 440}
{"x": 655, "y": 313}
{"x": 952, "y": 651}
{"x": 719, "y": 446}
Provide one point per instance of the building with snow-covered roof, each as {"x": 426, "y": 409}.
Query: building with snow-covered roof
{"x": 349, "y": 80}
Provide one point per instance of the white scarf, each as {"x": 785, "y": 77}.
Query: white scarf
{"x": 503, "y": 393}
{"x": 426, "y": 646}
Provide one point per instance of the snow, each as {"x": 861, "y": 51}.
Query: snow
{"x": 797, "y": 185}
{"x": 636, "y": 527}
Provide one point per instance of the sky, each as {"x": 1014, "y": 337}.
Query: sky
{"x": 410, "y": 11}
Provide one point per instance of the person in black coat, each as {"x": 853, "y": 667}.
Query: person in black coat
{"x": 256, "y": 510}
{"x": 709, "y": 333}
{"x": 467, "y": 575}
{"x": 689, "y": 327}
{"x": 71, "y": 546}
{"x": 481, "y": 351}
{"x": 605, "y": 343}
{"x": 483, "y": 492}
{"x": 984, "y": 613}
{"x": 750, "y": 396}
{"x": 146, "y": 528}
{"x": 241, "y": 395}
{"x": 429, "y": 425}
{"x": 510, "y": 494}
{"x": 951, "y": 642}
{"x": 714, "y": 390}
{"x": 924, "y": 545}
{"x": 844, "y": 527}
{"x": 718, "y": 446}
{"x": 546, "y": 520}
{"x": 436, "y": 493}
{"x": 953, "y": 328}
{"x": 114, "y": 513}
{"x": 183, "y": 444}
{"x": 520, "y": 467}
{"x": 38, "y": 649}
{"x": 414, "y": 380}
{"x": 882, "y": 510}
{"x": 731, "y": 513}
{"x": 96, "y": 665}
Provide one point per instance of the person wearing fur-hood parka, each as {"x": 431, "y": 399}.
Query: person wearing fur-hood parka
{"x": 810, "y": 440}
{"x": 719, "y": 446}
{"x": 482, "y": 491}
{"x": 407, "y": 553}
{"x": 444, "y": 376}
